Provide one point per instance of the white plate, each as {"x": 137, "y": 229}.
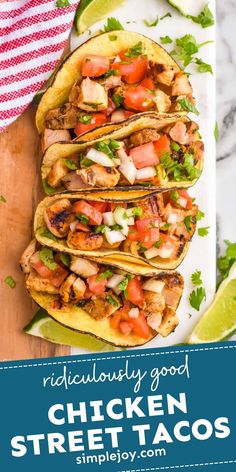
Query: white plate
{"x": 202, "y": 252}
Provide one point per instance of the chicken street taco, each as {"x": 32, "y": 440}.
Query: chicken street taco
{"x": 109, "y": 303}
{"x": 152, "y": 151}
{"x": 151, "y": 232}
{"x": 109, "y": 78}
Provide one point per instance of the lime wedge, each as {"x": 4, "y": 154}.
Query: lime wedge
{"x": 186, "y": 7}
{"x": 91, "y": 11}
{"x": 45, "y": 327}
{"x": 219, "y": 321}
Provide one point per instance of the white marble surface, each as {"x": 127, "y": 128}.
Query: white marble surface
{"x": 226, "y": 116}
{"x": 202, "y": 252}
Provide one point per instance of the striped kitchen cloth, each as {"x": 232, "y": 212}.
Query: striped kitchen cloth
{"x": 33, "y": 34}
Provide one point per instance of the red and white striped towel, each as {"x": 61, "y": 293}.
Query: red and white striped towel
{"x": 33, "y": 34}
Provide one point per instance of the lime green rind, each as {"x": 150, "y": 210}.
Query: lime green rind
{"x": 92, "y": 11}
{"x": 45, "y": 327}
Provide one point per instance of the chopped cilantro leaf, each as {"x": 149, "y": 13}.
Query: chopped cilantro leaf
{"x": 216, "y": 131}
{"x": 203, "y": 67}
{"x": 117, "y": 99}
{"x": 82, "y": 218}
{"x": 187, "y": 222}
{"x": 153, "y": 23}
{"x": 200, "y": 215}
{"x": 100, "y": 229}
{"x": 85, "y": 119}
{"x": 135, "y": 51}
{"x": 196, "y": 297}
{"x": 205, "y": 18}
{"x": 124, "y": 283}
{"x": 137, "y": 211}
{"x": 203, "y": 231}
{"x": 112, "y": 300}
{"x": 196, "y": 278}
{"x": 10, "y": 281}
{"x": 105, "y": 275}
{"x": 113, "y": 25}
{"x": 188, "y": 106}
{"x": 166, "y": 40}
{"x": 167, "y": 15}
{"x": 165, "y": 227}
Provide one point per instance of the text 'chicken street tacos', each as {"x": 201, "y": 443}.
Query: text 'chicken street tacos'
{"x": 109, "y": 78}
{"x": 103, "y": 301}
{"x": 149, "y": 151}
{"x": 152, "y": 232}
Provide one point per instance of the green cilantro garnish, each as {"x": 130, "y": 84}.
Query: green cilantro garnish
{"x": 2, "y": 199}
{"x": 205, "y": 18}
{"x": 112, "y": 300}
{"x": 187, "y": 222}
{"x": 108, "y": 147}
{"x": 157, "y": 244}
{"x": 203, "y": 67}
{"x": 85, "y": 119}
{"x": 186, "y": 47}
{"x": 116, "y": 227}
{"x": 109, "y": 73}
{"x": 70, "y": 164}
{"x": 150, "y": 24}
{"x": 216, "y": 131}
{"x": 82, "y": 218}
{"x": 62, "y": 3}
{"x": 113, "y": 25}
{"x": 100, "y": 229}
{"x": 196, "y": 297}
{"x": 135, "y": 51}
{"x": 105, "y": 275}
{"x": 188, "y": 106}
{"x": 65, "y": 259}
{"x": 166, "y": 40}
{"x": 203, "y": 231}
{"x": 177, "y": 171}
{"x": 124, "y": 283}
{"x": 200, "y": 215}
{"x": 224, "y": 263}
{"x": 137, "y": 211}
{"x": 196, "y": 278}
{"x": 47, "y": 258}
{"x": 10, "y": 281}
{"x": 112, "y": 37}
{"x": 117, "y": 99}
{"x": 165, "y": 227}
{"x": 168, "y": 14}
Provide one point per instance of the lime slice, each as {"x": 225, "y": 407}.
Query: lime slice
{"x": 91, "y": 11}
{"x": 45, "y": 327}
{"x": 219, "y": 321}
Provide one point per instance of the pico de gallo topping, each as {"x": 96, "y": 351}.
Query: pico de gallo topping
{"x": 145, "y": 158}
{"x": 156, "y": 227}
{"x": 133, "y": 305}
{"x": 116, "y": 87}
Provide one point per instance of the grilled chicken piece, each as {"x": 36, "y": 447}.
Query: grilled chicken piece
{"x": 65, "y": 117}
{"x": 27, "y": 254}
{"x": 111, "y": 82}
{"x": 100, "y": 307}
{"x": 143, "y": 137}
{"x": 73, "y": 289}
{"x": 58, "y": 217}
{"x": 57, "y": 172}
{"x": 154, "y": 320}
{"x": 183, "y": 134}
{"x": 160, "y": 204}
{"x": 149, "y": 207}
{"x": 162, "y": 73}
{"x": 107, "y": 245}
{"x": 83, "y": 267}
{"x": 99, "y": 176}
{"x": 198, "y": 150}
{"x": 93, "y": 96}
{"x": 72, "y": 181}
{"x": 51, "y": 136}
{"x": 37, "y": 283}
{"x": 182, "y": 85}
{"x": 169, "y": 322}
{"x": 162, "y": 101}
{"x": 84, "y": 241}
{"x": 154, "y": 302}
{"x": 74, "y": 93}
{"x": 172, "y": 291}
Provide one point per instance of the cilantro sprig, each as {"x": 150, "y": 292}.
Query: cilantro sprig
{"x": 113, "y": 25}
{"x": 197, "y": 296}
{"x": 196, "y": 278}
{"x": 185, "y": 50}
{"x": 205, "y": 18}
{"x": 224, "y": 263}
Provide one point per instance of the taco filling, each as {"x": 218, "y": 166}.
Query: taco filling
{"x": 155, "y": 227}
{"x": 132, "y": 305}
{"x": 148, "y": 157}
{"x": 113, "y": 88}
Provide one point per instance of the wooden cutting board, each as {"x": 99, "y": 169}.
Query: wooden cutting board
{"x": 21, "y": 187}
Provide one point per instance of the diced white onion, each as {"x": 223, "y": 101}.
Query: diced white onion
{"x": 146, "y": 173}
{"x": 134, "y": 313}
{"x": 83, "y": 267}
{"x": 150, "y": 253}
{"x": 172, "y": 219}
{"x": 182, "y": 202}
{"x": 113, "y": 236}
{"x": 115, "y": 280}
{"x": 100, "y": 158}
{"x": 117, "y": 115}
{"x": 165, "y": 252}
{"x": 108, "y": 218}
{"x": 73, "y": 226}
{"x": 154, "y": 285}
{"x": 131, "y": 220}
{"x": 127, "y": 167}
{"x": 154, "y": 320}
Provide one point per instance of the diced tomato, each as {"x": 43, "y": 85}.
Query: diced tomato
{"x": 128, "y": 113}
{"x": 124, "y": 311}
{"x": 42, "y": 270}
{"x": 147, "y": 223}
{"x": 167, "y": 241}
{"x": 184, "y": 194}
{"x": 96, "y": 286}
{"x": 113, "y": 206}
{"x": 140, "y": 326}
{"x": 111, "y": 107}
{"x": 59, "y": 276}
{"x": 115, "y": 320}
{"x": 87, "y": 293}
{"x": 56, "y": 276}
{"x": 132, "y": 69}
{"x": 135, "y": 292}
{"x": 97, "y": 119}
{"x": 148, "y": 83}
{"x": 144, "y": 156}
{"x": 94, "y": 66}
{"x": 95, "y": 216}
{"x": 100, "y": 206}
{"x": 82, "y": 227}
{"x": 138, "y": 98}
{"x": 150, "y": 237}
{"x": 125, "y": 327}
{"x": 133, "y": 234}
{"x": 162, "y": 145}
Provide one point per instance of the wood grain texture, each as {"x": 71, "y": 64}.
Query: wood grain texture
{"x": 21, "y": 186}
